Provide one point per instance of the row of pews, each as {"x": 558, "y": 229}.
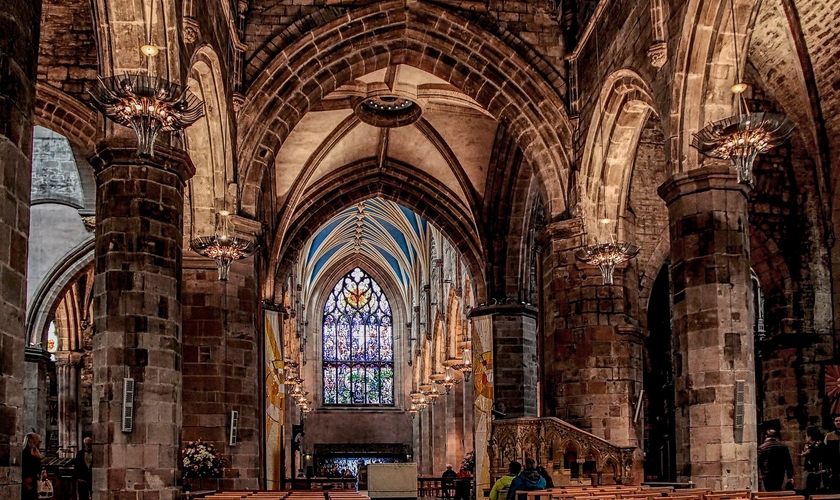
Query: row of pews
{"x": 288, "y": 495}
{"x": 627, "y": 492}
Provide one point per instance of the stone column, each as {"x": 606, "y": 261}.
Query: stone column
{"x": 19, "y": 55}
{"x": 67, "y": 373}
{"x": 712, "y": 328}
{"x": 36, "y": 391}
{"x": 593, "y": 349}
{"x": 515, "y": 368}
{"x": 137, "y": 324}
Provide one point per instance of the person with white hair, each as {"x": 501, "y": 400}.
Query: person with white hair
{"x": 447, "y": 483}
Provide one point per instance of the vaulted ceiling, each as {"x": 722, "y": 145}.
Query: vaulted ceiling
{"x": 451, "y": 142}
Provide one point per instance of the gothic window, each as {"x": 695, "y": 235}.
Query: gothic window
{"x": 358, "y": 348}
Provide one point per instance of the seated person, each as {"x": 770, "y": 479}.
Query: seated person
{"x": 504, "y": 481}
{"x": 447, "y": 483}
{"x": 528, "y": 480}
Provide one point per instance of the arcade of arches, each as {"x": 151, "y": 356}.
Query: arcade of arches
{"x": 417, "y": 176}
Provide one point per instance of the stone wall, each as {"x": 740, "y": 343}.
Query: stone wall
{"x": 67, "y": 57}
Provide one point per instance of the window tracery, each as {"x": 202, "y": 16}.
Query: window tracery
{"x": 358, "y": 343}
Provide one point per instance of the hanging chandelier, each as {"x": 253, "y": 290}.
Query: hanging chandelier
{"x": 448, "y": 380}
{"x": 606, "y": 256}
{"x": 223, "y": 247}
{"x": 147, "y": 104}
{"x": 742, "y": 137}
{"x": 463, "y": 365}
{"x": 418, "y": 401}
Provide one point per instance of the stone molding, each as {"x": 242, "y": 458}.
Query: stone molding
{"x": 700, "y": 180}
{"x": 35, "y": 354}
{"x": 507, "y": 309}
{"x": 167, "y": 158}
{"x": 561, "y": 230}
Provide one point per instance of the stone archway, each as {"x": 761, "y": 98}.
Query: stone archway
{"x": 209, "y": 144}
{"x": 610, "y": 152}
{"x": 705, "y": 69}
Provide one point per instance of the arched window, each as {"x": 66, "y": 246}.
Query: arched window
{"x": 358, "y": 352}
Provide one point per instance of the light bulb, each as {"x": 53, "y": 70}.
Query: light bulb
{"x": 739, "y": 88}
{"x": 149, "y": 50}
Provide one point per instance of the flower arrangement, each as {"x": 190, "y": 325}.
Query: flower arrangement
{"x": 201, "y": 460}
{"x": 468, "y": 463}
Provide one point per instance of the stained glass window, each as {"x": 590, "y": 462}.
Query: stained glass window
{"x": 358, "y": 343}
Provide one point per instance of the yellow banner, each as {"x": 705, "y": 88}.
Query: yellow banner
{"x": 274, "y": 399}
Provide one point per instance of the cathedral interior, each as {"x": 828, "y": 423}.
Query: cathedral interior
{"x": 553, "y": 229}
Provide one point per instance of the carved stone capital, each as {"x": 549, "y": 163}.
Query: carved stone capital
{"x": 191, "y": 30}
{"x": 658, "y": 54}
{"x": 238, "y": 101}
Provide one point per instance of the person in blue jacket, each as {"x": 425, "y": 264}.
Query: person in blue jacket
{"x": 527, "y": 480}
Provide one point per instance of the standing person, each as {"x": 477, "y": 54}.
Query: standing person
{"x": 812, "y": 457}
{"x": 83, "y": 469}
{"x": 448, "y": 481}
{"x": 774, "y": 463}
{"x": 504, "y": 481}
{"x": 527, "y": 480}
{"x": 30, "y": 466}
{"x": 831, "y": 457}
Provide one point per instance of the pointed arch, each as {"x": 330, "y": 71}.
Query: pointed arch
{"x": 209, "y": 143}
{"x": 704, "y": 72}
{"x": 610, "y": 150}
{"x": 394, "y": 181}
{"x": 357, "y": 344}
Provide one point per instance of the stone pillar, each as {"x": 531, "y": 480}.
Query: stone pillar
{"x": 67, "y": 373}
{"x": 593, "y": 349}
{"x": 19, "y": 55}
{"x": 439, "y": 438}
{"x": 455, "y": 445}
{"x": 515, "y": 367}
{"x": 712, "y": 327}
{"x": 36, "y": 391}
{"x": 220, "y": 365}
{"x": 137, "y": 324}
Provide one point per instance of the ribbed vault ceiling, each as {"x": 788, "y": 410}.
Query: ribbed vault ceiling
{"x": 452, "y": 141}
{"x": 391, "y": 235}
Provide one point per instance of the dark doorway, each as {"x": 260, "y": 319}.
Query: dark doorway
{"x": 659, "y": 445}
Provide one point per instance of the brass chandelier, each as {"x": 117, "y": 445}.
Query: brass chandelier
{"x": 223, "y": 247}
{"x": 148, "y": 105}
{"x": 742, "y": 137}
{"x": 606, "y": 256}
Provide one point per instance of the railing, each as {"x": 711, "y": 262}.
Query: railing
{"x": 323, "y": 483}
{"x": 549, "y": 440}
{"x": 432, "y": 486}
